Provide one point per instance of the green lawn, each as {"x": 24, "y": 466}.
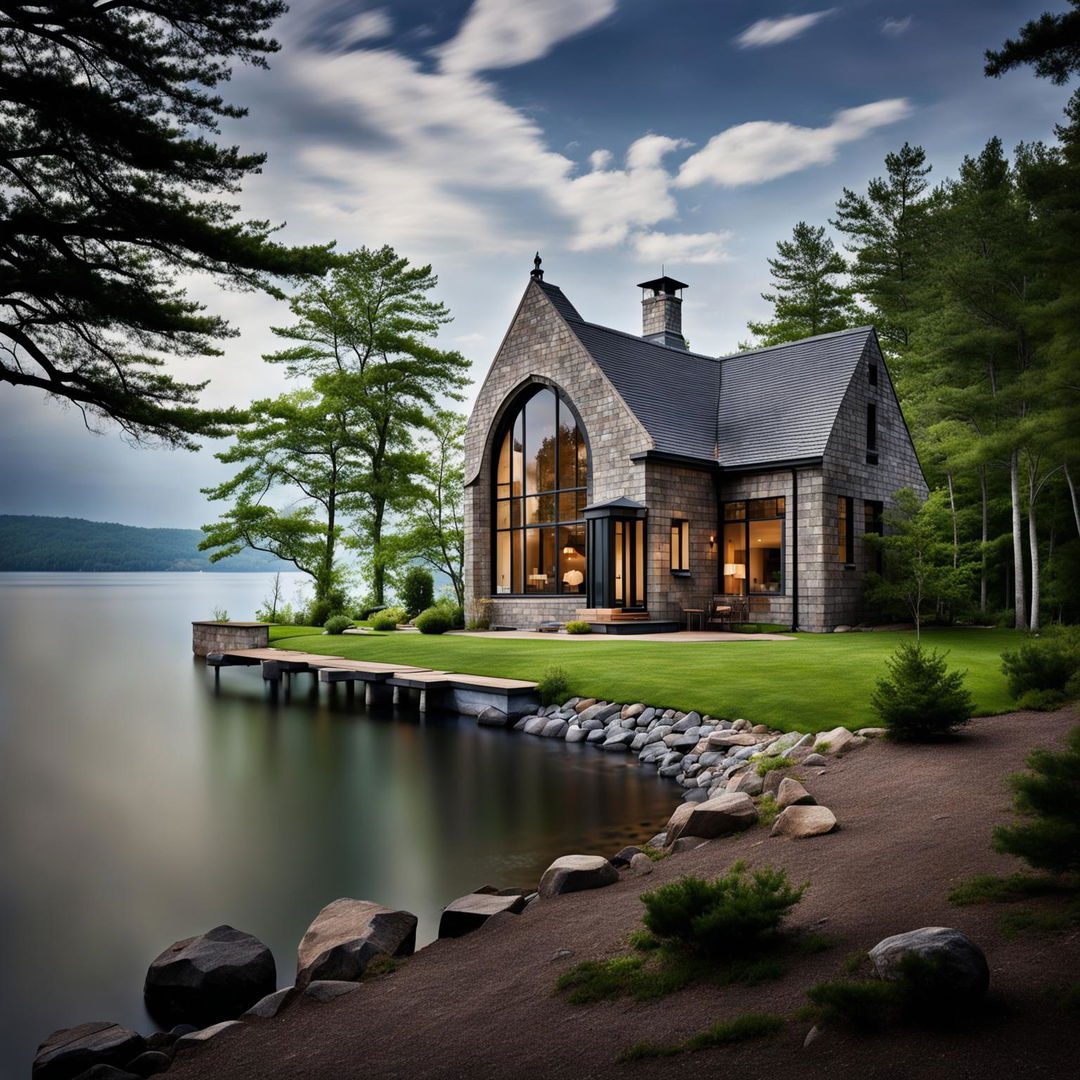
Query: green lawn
{"x": 811, "y": 683}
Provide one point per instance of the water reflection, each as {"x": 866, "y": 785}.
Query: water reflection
{"x": 139, "y": 806}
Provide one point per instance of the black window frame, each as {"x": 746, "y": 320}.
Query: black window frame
{"x": 680, "y": 547}
{"x": 745, "y": 512}
{"x": 845, "y": 530}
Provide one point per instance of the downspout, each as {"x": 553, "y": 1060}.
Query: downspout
{"x": 794, "y": 550}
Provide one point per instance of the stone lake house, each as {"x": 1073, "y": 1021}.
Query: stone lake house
{"x": 628, "y": 478}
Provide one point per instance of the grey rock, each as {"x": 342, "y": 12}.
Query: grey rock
{"x": 695, "y": 795}
{"x": 721, "y": 740}
{"x": 608, "y": 712}
{"x": 748, "y": 782}
{"x": 960, "y": 969}
{"x": 70, "y": 1051}
{"x": 641, "y": 864}
{"x": 149, "y": 1063}
{"x": 598, "y": 735}
{"x": 632, "y": 712}
{"x": 323, "y": 990}
{"x": 739, "y": 725}
{"x": 623, "y": 857}
{"x": 653, "y": 736}
{"x": 535, "y": 725}
{"x": 555, "y": 729}
{"x": 669, "y": 771}
{"x": 210, "y": 977}
{"x": 711, "y": 757}
{"x": 519, "y": 725}
{"x": 592, "y": 724}
{"x": 647, "y": 717}
{"x": 792, "y": 793}
{"x": 492, "y": 717}
{"x": 628, "y": 724}
{"x": 682, "y": 742}
{"x": 582, "y": 704}
{"x": 639, "y": 741}
{"x": 574, "y": 873}
{"x": 576, "y": 734}
{"x": 687, "y": 722}
{"x": 206, "y": 1034}
{"x": 836, "y": 741}
{"x": 725, "y": 814}
{"x": 815, "y": 759}
{"x": 347, "y": 935}
{"x": 785, "y": 742}
{"x": 652, "y": 752}
{"x": 272, "y": 1004}
{"x": 800, "y": 822}
{"x": 620, "y": 740}
{"x": 591, "y": 713}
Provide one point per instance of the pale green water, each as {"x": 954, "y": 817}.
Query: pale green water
{"x": 137, "y": 807}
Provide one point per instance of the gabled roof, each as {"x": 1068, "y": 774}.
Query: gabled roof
{"x": 760, "y": 407}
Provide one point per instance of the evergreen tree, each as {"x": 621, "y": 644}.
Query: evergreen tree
{"x": 111, "y": 192}
{"x": 1051, "y": 43}
{"x": 886, "y": 233}
{"x": 808, "y": 299}
{"x": 370, "y": 324}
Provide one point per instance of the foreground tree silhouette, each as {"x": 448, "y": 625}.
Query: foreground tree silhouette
{"x": 109, "y": 192}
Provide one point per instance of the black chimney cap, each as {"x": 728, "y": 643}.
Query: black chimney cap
{"x": 665, "y": 284}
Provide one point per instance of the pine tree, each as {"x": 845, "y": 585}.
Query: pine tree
{"x": 808, "y": 299}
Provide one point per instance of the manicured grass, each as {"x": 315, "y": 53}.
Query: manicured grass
{"x": 811, "y": 683}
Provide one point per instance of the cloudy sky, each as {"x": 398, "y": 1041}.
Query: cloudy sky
{"x": 612, "y": 135}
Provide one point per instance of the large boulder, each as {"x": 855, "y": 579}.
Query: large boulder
{"x": 748, "y": 782}
{"x": 470, "y": 912}
{"x": 799, "y": 822}
{"x": 727, "y": 813}
{"x": 792, "y": 793}
{"x": 956, "y": 968}
{"x": 492, "y": 717}
{"x": 214, "y": 976}
{"x": 573, "y": 873}
{"x": 70, "y": 1051}
{"x": 721, "y": 740}
{"x": 347, "y": 935}
{"x": 837, "y": 741}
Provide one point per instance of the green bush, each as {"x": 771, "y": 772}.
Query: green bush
{"x": 577, "y": 626}
{"x": 388, "y": 619}
{"x": 921, "y": 699}
{"x": 478, "y": 624}
{"x": 553, "y": 686}
{"x": 1049, "y": 797}
{"x": 728, "y": 914}
{"x": 766, "y": 765}
{"x": 435, "y": 620}
{"x": 416, "y": 590}
{"x": 337, "y": 624}
{"x": 1044, "y": 665}
{"x": 366, "y": 610}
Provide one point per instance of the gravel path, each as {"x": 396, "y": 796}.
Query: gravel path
{"x": 914, "y": 821}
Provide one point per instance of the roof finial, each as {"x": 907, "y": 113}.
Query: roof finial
{"x": 537, "y": 274}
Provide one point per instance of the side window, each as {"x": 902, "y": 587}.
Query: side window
{"x": 680, "y": 546}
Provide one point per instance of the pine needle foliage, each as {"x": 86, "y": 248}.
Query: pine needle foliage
{"x": 921, "y": 700}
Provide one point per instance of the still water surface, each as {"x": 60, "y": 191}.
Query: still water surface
{"x": 138, "y": 806}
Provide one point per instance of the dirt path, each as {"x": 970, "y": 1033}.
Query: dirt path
{"x": 914, "y": 820}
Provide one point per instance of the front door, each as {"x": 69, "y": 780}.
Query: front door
{"x": 628, "y": 563}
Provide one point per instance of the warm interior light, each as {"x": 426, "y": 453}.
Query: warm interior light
{"x": 569, "y": 550}
{"x": 734, "y": 570}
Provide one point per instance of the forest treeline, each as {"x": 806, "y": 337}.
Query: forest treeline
{"x": 31, "y": 543}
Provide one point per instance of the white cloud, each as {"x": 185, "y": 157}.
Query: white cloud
{"x": 600, "y": 159}
{"x": 767, "y": 32}
{"x": 657, "y": 247}
{"x": 368, "y": 26}
{"x": 896, "y": 27}
{"x": 765, "y": 149}
{"x": 505, "y": 33}
{"x": 607, "y": 203}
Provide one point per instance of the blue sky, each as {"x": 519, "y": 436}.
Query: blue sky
{"x": 612, "y": 135}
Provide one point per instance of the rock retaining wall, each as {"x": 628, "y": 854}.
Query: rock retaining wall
{"x": 208, "y": 637}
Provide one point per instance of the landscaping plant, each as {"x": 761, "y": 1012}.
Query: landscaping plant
{"x": 554, "y": 685}
{"x": 337, "y": 624}
{"x": 1044, "y": 672}
{"x": 921, "y": 699}
{"x": 435, "y": 620}
{"x": 577, "y": 626}
{"x": 388, "y": 619}
{"x": 416, "y": 590}
{"x": 1049, "y": 798}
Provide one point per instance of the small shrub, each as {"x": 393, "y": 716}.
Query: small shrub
{"x": 478, "y": 624}
{"x": 766, "y": 765}
{"x": 435, "y": 620}
{"x": 554, "y": 685}
{"x": 416, "y": 590}
{"x": 1049, "y": 797}
{"x": 1040, "y": 700}
{"x": 220, "y": 615}
{"x": 597, "y": 980}
{"x": 1043, "y": 664}
{"x": 387, "y": 619}
{"x": 337, "y": 624}
{"x": 578, "y": 626}
{"x": 921, "y": 699}
{"x": 722, "y": 1033}
{"x": 768, "y": 810}
{"x": 865, "y": 1006}
{"x": 726, "y": 915}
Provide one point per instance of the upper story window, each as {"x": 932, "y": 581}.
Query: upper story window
{"x": 680, "y": 546}
{"x": 845, "y": 529}
{"x": 754, "y": 546}
{"x": 541, "y": 478}
{"x": 871, "y": 434}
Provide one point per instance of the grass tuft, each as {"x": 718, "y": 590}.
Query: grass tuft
{"x": 766, "y": 765}
{"x": 722, "y": 1033}
{"x": 990, "y": 888}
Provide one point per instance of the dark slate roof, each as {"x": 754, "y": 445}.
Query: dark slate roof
{"x": 764, "y": 406}
{"x": 780, "y": 403}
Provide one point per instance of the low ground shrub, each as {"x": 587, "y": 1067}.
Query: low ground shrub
{"x": 726, "y": 915}
{"x": 920, "y": 699}
{"x": 337, "y": 624}
{"x": 435, "y": 620}
{"x": 766, "y": 765}
{"x": 416, "y": 590}
{"x": 1039, "y": 672}
{"x": 388, "y": 619}
{"x": 554, "y": 685}
{"x": 578, "y": 626}
{"x": 990, "y": 888}
{"x": 1048, "y": 797}
{"x": 722, "y": 1033}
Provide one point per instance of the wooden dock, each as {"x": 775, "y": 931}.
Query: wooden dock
{"x": 386, "y": 684}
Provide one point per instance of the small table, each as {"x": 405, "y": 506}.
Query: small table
{"x": 694, "y": 614}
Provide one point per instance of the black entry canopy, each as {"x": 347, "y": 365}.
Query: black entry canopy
{"x": 622, "y": 507}
{"x": 666, "y": 285}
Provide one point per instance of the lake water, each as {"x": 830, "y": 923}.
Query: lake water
{"x": 138, "y": 806}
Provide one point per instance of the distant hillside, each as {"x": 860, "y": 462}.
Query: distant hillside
{"x": 52, "y": 543}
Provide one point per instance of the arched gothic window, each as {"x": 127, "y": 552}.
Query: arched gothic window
{"x": 541, "y": 477}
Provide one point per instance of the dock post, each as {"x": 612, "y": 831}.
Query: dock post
{"x": 397, "y": 695}
{"x": 423, "y": 701}
{"x": 377, "y": 693}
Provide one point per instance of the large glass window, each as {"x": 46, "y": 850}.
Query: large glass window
{"x": 541, "y": 477}
{"x": 754, "y": 546}
{"x": 845, "y": 529}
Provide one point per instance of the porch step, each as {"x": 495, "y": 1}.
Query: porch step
{"x": 600, "y": 615}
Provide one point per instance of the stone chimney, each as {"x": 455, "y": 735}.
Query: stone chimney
{"x": 661, "y": 312}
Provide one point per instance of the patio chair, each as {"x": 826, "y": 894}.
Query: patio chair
{"x": 727, "y": 610}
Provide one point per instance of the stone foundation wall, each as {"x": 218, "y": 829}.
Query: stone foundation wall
{"x": 208, "y": 637}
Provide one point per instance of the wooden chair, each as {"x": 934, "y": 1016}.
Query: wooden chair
{"x": 727, "y": 610}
